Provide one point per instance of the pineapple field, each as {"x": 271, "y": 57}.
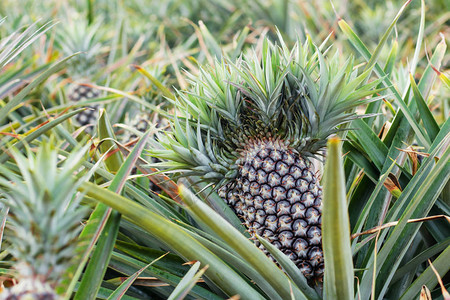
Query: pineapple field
{"x": 224, "y": 149}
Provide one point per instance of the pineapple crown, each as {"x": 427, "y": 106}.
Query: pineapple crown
{"x": 79, "y": 36}
{"x": 295, "y": 96}
{"x": 44, "y": 220}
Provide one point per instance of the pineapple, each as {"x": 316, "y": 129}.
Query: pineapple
{"x": 78, "y": 36}
{"x": 44, "y": 221}
{"x": 140, "y": 123}
{"x": 82, "y": 92}
{"x": 251, "y": 129}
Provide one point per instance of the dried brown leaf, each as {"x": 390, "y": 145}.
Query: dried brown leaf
{"x": 425, "y": 293}
{"x": 391, "y": 224}
{"x": 445, "y": 293}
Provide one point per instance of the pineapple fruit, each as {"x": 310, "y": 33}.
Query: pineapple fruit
{"x": 140, "y": 123}
{"x": 44, "y": 220}
{"x": 278, "y": 196}
{"x": 82, "y": 92}
{"x": 78, "y": 36}
{"x": 251, "y": 128}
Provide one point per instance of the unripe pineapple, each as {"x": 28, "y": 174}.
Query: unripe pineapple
{"x": 78, "y": 36}
{"x": 44, "y": 220}
{"x": 139, "y": 123}
{"x": 252, "y": 127}
{"x": 279, "y": 198}
{"x": 82, "y": 92}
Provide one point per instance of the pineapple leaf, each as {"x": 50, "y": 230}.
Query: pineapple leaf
{"x": 176, "y": 238}
{"x": 45, "y": 212}
{"x": 120, "y": 291}
{"x": 362, "y": 49}
{"x": 429, "y": 122}
{"x": 128, "y": 265}
{"x": 415, "y": 202}
{"x": 339, "y": 276}
{"x": 96, "y": 268}
{"x": 291, "y": 269}
{"x": 246, "y": 249}
{"x": 56, "y": 67}
{"x": 427, "y": 278}
{"x": 375, "y": 148}
{"x": 36, "y": 132}
{"x": 187, "y": 282}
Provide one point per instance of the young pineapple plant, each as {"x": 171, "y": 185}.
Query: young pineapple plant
{"x": 251, "y": 129}
{"x": 44, "y": 220}
{"x": 79, "y": 36}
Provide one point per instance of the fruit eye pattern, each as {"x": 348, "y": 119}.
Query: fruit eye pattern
{"x": 273, "y": 206}
{"x": 79, "y": 92}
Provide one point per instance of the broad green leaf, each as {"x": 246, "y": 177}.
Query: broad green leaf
{"x": 374, "y": 147}
{"x": 170, "y": 261}
{"x": 339, "y": 277}
{"x": 421, "y": 258}
{"x": 38, "y": 131}
{"x": 176, "y": 238}
{"x": 415, "y": 202}
{"x": 96, "y": 268}
{"x": 217, "y": 203}
{"x": 56, "y": 67}
{"x": 127, "y": 265}
{"x": 367, "y": 208}
{"x": 223, "y": 251}
{"x": 291, "y": 270}
{"x": 428, "y": 278}
{"x": 121, "y": 290}
{"x": 104, "y": 293}
{"x": 362, "y": 49}
{"x": 187, "y": 282}
{"x": 429, "y": 122}
{"x": 107, "y": 143}
{"x": 361, "y": 160}
{"x": 245, "y": 248}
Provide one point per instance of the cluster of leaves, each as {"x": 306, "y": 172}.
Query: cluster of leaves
{"x": 183, "y": 241}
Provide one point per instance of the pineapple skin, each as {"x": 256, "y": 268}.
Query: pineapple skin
{"x": 80, "y": 92}
{"x": 278, "y": 197}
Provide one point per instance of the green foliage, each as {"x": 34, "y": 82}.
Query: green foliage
{"x": 45, "y": 214}
{"x": 179, "y": 240}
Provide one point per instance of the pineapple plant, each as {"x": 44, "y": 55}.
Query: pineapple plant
{"x": 44, "y": 219}
{"x": 136, "y": 127}
{"x": 138, "y": 124}
{"x": 389, "y": 261}
{"x": 79, "y": 36}
{"x": 251, "y": 130}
